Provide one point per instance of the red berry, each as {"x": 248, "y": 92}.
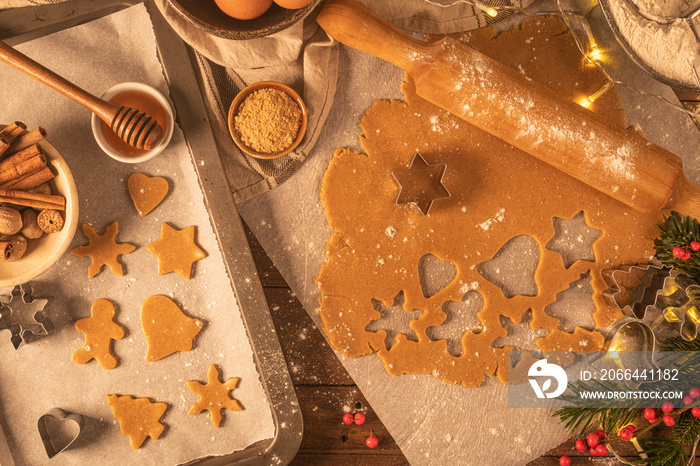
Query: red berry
{"x": 678, "y": 252}
{"x": 632, "y": 428}
{"x": 694, "y": 392}
{"x": 688, "y": 400}
{"x": 669, "y": 420}
{"x": 600, "y": 434}
{"x": 593, "y": 451}
{"x": 372, "y": 441}
{"x": 347, "y": 418}
{"x": 650, "y": 413}
{"x": 593, "y": 440}
{"x": 695, "y": 246}
{"x": 654, "y": 421}
{"x": 601, "y": 449}
{"x": 564, "y": 461}
{"x": 695, "y": 412}
{"x": 581, "y": 445}
{"x": 626, "y": 433}
{"x": 359, "y": 419}
{"x": 686, "y": 256}
{"x": 667, "y": 407}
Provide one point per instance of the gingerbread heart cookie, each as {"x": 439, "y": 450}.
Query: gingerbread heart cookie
{"x": 147, "y": 192}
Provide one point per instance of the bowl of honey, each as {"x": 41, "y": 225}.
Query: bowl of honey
{"x": 141, "y": 97}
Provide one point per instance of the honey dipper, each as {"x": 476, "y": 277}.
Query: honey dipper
{"x": 133, "y": 126}
{"x": 525, "y": 114}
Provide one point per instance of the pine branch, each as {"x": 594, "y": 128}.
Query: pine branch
{"x": 678, "y": 230}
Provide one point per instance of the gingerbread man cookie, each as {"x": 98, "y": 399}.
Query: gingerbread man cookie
{"x": 99, "y": 329}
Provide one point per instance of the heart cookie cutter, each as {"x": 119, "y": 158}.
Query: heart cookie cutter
{"x": 53, "y": 442}
{"x": 417, "y": 186}
{"x": 14, "y": 315}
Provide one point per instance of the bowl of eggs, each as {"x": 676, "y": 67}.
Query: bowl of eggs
{"x": 243, "y": 19}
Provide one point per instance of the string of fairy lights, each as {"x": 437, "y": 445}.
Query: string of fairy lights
{"x": 590, "y": 50}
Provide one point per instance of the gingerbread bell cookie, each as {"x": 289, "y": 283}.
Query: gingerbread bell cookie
{"x": 167, "y": 329}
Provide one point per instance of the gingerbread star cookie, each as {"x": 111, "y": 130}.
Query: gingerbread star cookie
{"x": 103, "y": 249}
{"x": 214, "y": 395}
{"x": 167, "y": 329}
{"x": 99, "y": 329}
{"x": 176, "y": 250}
{"x": 138, "y": 417}
{"x": 147, "y": 192}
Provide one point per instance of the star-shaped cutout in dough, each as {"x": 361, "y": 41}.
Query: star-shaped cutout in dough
{"x": 574, "y": 239}
{"x": 420, "y": 184}
{"x": 103, "y": 249}
{"x": 394, "y": 320}
{"x": 214, "y": 395}
{"x": 176, "y": 250}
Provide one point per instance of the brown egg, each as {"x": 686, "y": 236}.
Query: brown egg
{"x": 244, "y": 9}
{"x": 293, "y": 4}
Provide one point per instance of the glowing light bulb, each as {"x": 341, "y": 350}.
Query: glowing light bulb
{"x": 594, "y": 53}
{"x": 489, "y": 10}
{"x": 588, "y": 101}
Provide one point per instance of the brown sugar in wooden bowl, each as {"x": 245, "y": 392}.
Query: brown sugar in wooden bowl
{"x": 267, "y": 120}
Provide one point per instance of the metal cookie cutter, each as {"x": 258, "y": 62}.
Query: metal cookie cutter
{"x": 634, "y": 286}
{"x": 420, "y": 184}
{"x": 54, "y": 430}
{"x": 679, "y": 302}
{"x": 22, "y": 315}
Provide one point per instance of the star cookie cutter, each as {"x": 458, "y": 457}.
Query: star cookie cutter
{"x": 23, "y": 315}
{"x": 679, "y": 302}
{"x": 420, "y": 184}
{"x": 53, "y": 432}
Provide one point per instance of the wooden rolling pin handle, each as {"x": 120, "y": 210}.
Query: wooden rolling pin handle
{"x": 686, "y": 198}
{"x": 352, "y": 24}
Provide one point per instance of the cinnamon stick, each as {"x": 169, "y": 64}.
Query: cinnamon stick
{"x": 34, "y": 204}
{"x": 13, "y": 131}
{"x": 21, "y": 156}
{"x": 4, "y": 145}
{"x": 27, "y": 139}
{"x": 25, "y": 167}
{"x": 12, "y": 248}
{"x": 30, "y": 180}
{"x": 17, "y": 194}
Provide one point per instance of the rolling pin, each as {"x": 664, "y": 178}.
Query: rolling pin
{"x": 523, "y": 113}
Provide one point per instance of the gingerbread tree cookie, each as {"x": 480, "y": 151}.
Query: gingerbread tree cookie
{"x": 99, "y": 329}
{"x": 138, "y": 417}
{"x": 214, "y": 395}
{"x": 147, "y": 192}
{"x": 103, "y": 249}
{"x": 167, "y": 329}
{"x": 176, "y": 250}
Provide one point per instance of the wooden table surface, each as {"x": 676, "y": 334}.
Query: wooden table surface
{"x": 326, "y": 391}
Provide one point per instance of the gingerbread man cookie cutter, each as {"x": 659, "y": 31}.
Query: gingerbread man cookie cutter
{"x": 679, "y": 302}
{"x": 23, "y": 315}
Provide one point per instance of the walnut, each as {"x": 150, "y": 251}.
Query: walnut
{"x": 30, "y": 226}
{"x": 10, "y": 221}
{"x": 12, "y": 247}
{"x": 50, "y": 221}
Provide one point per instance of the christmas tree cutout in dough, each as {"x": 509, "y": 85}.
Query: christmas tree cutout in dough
{"x": 214, "y": 395}
{"x": 103, "y": 249}
{"x": 167, "y": 329}
{"x": 176, "y": 250}
{"x": 99, "y": 329}
{"x": 138, "y": 417}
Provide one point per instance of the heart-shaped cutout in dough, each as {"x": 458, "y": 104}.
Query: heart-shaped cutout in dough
{"x": 147, "y": 192}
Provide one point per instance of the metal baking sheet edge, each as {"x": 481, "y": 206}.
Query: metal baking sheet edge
{"x": 22, "y": 24}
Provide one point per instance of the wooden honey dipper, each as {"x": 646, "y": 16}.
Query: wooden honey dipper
{"x": 133, "y": 126}
{"x": 523, "y": 113}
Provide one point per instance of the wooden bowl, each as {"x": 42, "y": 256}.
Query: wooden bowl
{"x": 240, "y": 97}
{"x": 205, "y": 15}
{"x": 42, "y": 253}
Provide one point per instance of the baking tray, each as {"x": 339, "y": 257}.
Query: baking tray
{"x": 22, "y": 24}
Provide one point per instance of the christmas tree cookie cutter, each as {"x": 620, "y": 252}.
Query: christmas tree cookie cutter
{"x": 420, "y": 184}
{"x": 637, "y": 296}
{"x": 54, "y": 433}
{"x": 23, "y": 315}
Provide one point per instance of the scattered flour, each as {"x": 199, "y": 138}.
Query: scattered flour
{"x": 498, "y": 218}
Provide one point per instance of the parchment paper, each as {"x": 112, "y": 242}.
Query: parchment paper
{"x": 432, "y": 422}
{"x": 41, "y": 375}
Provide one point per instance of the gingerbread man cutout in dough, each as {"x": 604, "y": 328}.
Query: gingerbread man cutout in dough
{"x": 99, "y": 329}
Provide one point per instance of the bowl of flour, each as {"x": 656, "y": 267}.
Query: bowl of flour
{"x": 663, "y": 48}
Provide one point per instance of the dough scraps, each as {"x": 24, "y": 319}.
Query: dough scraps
{"x": 103, "y": 249}
{"x": 176, "y": 250}
{"x": 138, "y": 417}
{"x": 167, "y": 329}
{"x": 99, "y": 329}
{"x": 147, "y": 192}
{"x": 500, "y": 196}
{"x": 214, "y": 395}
